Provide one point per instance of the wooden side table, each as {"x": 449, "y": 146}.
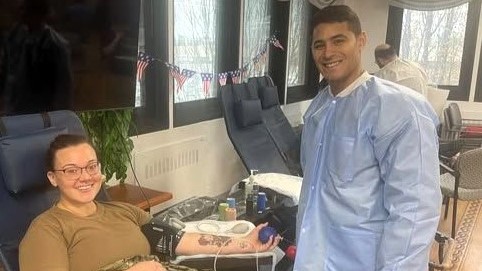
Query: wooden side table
{"x": 133, "y": 195}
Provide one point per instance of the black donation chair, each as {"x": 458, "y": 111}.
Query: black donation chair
{"x": 242, "y": 115}
{"x": 25, "y": 191}
{"x": 280, "y": 130}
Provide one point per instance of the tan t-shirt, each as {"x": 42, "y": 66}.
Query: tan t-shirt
{"x": 59, "y": 240}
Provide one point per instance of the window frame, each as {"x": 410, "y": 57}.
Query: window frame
{"x": 228, "y": 32}
{"x": 278, "y": 59}
{"x": 154, "y": 114}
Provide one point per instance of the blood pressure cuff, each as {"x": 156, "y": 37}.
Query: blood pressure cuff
{"x": 163, "y": 237}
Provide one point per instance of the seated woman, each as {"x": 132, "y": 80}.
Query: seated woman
{"x": 81, "y": 234}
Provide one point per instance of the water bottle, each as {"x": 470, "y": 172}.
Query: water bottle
{"x": 261, "y": 202}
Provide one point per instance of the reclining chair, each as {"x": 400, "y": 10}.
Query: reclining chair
{"x": 280, "y": 130}
{"x": 242, "y": 115}
{"x": 24, "y": 189}
{"x": 258, "y": 128}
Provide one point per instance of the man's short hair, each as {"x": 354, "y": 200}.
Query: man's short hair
{"x": 386, "y": 52}
{"x": 337, "y": 14}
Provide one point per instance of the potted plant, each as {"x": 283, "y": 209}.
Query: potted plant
{"x": 109, "y": 132}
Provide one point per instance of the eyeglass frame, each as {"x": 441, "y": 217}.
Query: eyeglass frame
{"x": 81, "y": 169}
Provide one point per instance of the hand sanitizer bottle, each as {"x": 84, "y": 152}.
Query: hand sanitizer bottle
{"x": 248, "y": 187}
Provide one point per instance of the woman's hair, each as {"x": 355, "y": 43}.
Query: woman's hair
{"x": 62, "y": 142}
{"x": 337, "y": 14}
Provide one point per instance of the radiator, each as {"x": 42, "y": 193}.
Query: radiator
{"x": 166, "y": 159}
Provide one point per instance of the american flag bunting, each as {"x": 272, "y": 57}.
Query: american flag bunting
{"x": 182, "y": 77}
{"x": 235, "y": 76}
{"x": 174, "y": 70}
{"x": 222, "y": 77}
{"x": 273, "y": 40}
{"x": 206, "y": 79}
{"x": 143, "y": 60}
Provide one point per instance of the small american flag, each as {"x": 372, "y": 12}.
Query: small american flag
{"x": 235, "y": 76}
{"x": 244, "y": 71}
{"x": 222, "y": 77}
{"x": 273, "y": 40}
{"x": 182, "y": 77}
{"x": 174, "y": 70}
{"x": 143, "y": 60}
{"x": 206, "y": 78}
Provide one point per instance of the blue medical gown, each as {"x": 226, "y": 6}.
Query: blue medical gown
{"x": 370, "y": 198}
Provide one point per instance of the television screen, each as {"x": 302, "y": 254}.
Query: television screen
{"x": 67, "y": 54}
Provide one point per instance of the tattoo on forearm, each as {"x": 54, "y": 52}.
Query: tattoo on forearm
{"x": 243, "y": 245}
{"x": 212, "y": 240}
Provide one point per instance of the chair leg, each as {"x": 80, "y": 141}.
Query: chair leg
{"x": 446, "y": 201}
{"x": 454, "y": 217}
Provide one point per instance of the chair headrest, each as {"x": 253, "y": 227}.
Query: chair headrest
{"x": 268, "y": 96}
{"x": 247, "y": 112}
{"x": 22, "y": 159}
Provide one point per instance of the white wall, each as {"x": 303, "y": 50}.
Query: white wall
{"x": 218, "y": 166}
{"x": 373, "y": 16}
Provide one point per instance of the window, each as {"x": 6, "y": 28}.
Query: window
{"x": 435, "y": 40}
{"x": 206, "y": 36}
{"x": 256, "y": 31}
{"x": 443, "y": 42}
{"x": 140, "y": 88}
{"x": 194, "y": 47}
{"x": 298, "y": 35}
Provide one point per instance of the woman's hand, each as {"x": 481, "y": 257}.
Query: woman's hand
{"x": 255, "y": 243}
{"x": 147, "y": 266}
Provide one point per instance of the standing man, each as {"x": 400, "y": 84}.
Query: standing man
{"x": 370, "y": 198}
{"x": 400, "y": 71}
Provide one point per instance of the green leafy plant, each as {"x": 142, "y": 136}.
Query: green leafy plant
{"x": 109, "y": 132}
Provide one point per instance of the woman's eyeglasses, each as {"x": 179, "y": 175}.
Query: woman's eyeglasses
{"x": 74, "y": 172}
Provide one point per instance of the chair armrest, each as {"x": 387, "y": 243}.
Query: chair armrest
{"x": 448, "y": 169}
{"x": 9, "y": 256}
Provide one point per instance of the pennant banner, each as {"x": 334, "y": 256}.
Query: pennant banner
{"x": 181, "y": 76}
{"x": 143, "y": 60}
{"x": 206, "y": 78}
{"x": 222, "y": 77}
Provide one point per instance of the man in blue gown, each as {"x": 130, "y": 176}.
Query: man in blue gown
{"x": 370, "y": 198}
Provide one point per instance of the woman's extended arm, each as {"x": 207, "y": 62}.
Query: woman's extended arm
{"x": 196, "y": 243}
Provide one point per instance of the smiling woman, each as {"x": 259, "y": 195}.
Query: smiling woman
{"x": 78, "y": 227}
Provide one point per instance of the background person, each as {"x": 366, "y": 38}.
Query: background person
{"x": 370, "y": 198}
{"x": 81, "y": 234}
{"x": 400, "y": 71}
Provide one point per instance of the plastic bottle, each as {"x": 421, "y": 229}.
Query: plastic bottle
{"x": 230, "y": 214}
{"x": 261, "y": 202}
{"x": 249, "y": 206}
{"x": 248, "y": 187}
{"x": 222, "y": 211}
{"x": 255, "y": 196}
